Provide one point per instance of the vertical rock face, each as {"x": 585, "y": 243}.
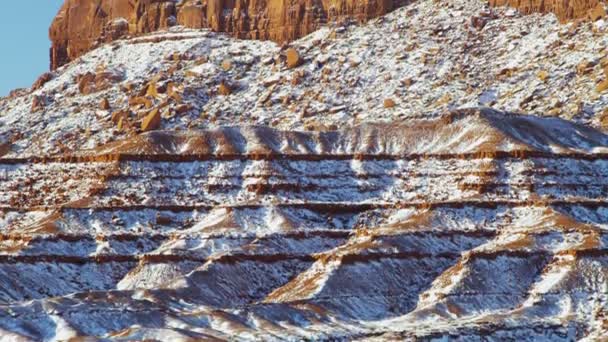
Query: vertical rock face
{"x": 564, "y": 9}
{"x": 82, "y": 24}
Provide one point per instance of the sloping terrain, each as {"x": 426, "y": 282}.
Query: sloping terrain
{"x": 422, "y": 58}
{"x": 479, "y": 221}
{"x": 82, "y": 25}
{"x": 184, "y": 185}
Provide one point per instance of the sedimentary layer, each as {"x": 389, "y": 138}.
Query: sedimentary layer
{"x": 482, "y": 221}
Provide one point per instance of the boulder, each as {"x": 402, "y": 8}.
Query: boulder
{"x": 389, "y": 103}
{"x": 38, "y": 103}
{"x": 90, "y": 83}
{"x": 104, "y": 104}
{"x": 224, "y": 89}
{"x": 151, "y": 121}
{"x": 293, "y": 58}
{"x": 119, "y": 115}
{"x": 42, "y": 80}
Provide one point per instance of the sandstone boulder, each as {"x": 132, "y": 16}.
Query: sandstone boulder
{"x": 90, "y": 83}
{"x": 42, "y": 80}
{"x": 38, "y": 103}
{"x": 104, "y": 104}
{"x": 389, "y": 103}
{"x": 224, "y": 89}
{"x": 293, "y": 58}
{"x": 119, "y": 115}
{"x": 151, "y": 121}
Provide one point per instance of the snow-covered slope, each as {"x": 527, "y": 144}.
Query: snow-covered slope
{"x": 424, "y": 57}
{"x": 480, "y": 223}
{"x": 302, "y": 204}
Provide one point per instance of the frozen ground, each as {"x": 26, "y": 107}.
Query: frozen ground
{"x": 374, "y": 232}
{"x": 299, "y": 206}
{"x": 424, "y": 57}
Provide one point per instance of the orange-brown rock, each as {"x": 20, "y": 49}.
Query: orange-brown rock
{"x": 93, "y": 82}
{"x": 38, "y": 103}
{"x": 42, "y": 80}
{"x": 151, "y": 121}
{"x": 389, "y": 103}
{"x": 104, "y": 104}
{"x": 564, "y": 9}
{"x": 293, "y": 58}
{"x": 224, "y": 89}
{"x": 81, "y": 25}
{"x": 118, "y": 115}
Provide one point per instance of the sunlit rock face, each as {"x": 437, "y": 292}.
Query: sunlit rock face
{"x": 564, "y": 9}
{"x": 185, "y": 185}
{"x": 82, "y": 24}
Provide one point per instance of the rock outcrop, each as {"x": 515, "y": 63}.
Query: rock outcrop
{"x": 564, "y": 9}
{"x": 81, "y": 25}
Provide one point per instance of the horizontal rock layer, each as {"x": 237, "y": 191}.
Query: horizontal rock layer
{"x": 479, "y": 222}
{"x": 82, "y": 24}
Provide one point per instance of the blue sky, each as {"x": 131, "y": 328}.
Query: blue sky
{"x": 24, "y": 27}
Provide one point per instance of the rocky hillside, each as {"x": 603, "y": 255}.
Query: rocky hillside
{"x": 563, "y": 9}
{"x": 372, "y": 181}
{"x": 84, "y": 24}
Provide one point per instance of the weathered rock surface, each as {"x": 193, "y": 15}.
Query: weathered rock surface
{"x": 299, "y": 207}
{"x": 83, "y": 24}
{"x": 477, "y": 223}
{"x": 564, "y": 9}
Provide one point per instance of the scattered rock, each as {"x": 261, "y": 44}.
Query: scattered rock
{"x": 602, "y": 86}
{"x": 151, "y": 121}
{"x": 224, "y": 89}
{"x": 140, "y": 101}
{"x": 584, "y": 67}
{"x": 42, "y": 80}
{"x": 293, "y": 58}
{"x": 478, "y": 22}
{"x": 118, "y": 115}
{"x": 38, "y": 103}
{"x": 104, "y": 104}
{"x": 408, "y": 82}
{"x": 152, "y": 89}
{"x": 183, "y": 108}
{"x": 5, "y": 148}
{"x": 84, "y": 82}
{"x": 90, "y": 83}
{"x": 18, "y": 93}
{"x": 172, "y": 92}
{"x": 389, "y": 103}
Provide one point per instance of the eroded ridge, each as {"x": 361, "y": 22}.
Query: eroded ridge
{"x": 477, "y": 221}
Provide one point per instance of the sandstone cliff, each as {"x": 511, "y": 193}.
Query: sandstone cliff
{"x": 82, "y": 24}
{"x": 185, "y": 185}
{"x": 564, "y": 9}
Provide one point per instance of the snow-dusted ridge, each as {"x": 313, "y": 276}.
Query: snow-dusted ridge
{"x": 259, "y": 234}
{"x": 424, "y": 57}
{"x": 300, "y": 206}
